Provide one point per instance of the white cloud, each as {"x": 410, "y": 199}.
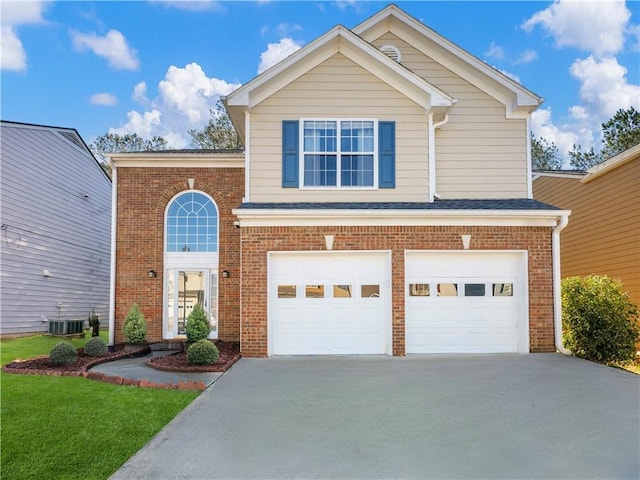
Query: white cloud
{"x": 12, "y": 55}
{"x": 495, "y": 51}
{"x": 12, "y": 14}
{"x": 595, "y": 26}
{"x": 604, "y": 88}
{"x": 113, "y": 47}
{"x": 139, "y": 94}
{"x": 106, "y": 99}
{"x": 144, "y": 124}
{"x": 185, "y": 96}
{"x": 527, "y": 56}
{"x": 276, "y": 52}
{"x": 564, "y": 136}
{"x": 343, "y": 5}
{"x": 191, "y": 92}
{"x": 578, "y": 112}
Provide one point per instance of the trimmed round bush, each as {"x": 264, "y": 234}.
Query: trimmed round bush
{"x": 203, "y": 352}
{"x": 96, "y": 347}
{"x": 197, "y": 326}
{"x": 63, "y": 353}
{"x": 600, "y": 321}
{"x": 135, "y": 326}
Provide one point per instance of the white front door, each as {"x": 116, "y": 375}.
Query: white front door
{"x": 329, "y": 303}
{"x": 466, "y": 302}
{"x": 186, "y": 288}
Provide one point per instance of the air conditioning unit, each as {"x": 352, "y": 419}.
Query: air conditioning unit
{"x": 66, "y": 327}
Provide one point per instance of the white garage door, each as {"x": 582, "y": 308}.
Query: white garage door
{"x": 466, "y": 302}
{"x": 329, "y": 303}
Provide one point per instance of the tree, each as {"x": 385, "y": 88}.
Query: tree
{"x": 543, "y": 155}
{"x": 218, "y": 134}
{"x": 619, "y": 133}
{"x": 580, "y": 160}
{"x": 129, "y": 142}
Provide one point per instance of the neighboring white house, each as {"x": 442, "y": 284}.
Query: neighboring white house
{"x": 55, "y": 208}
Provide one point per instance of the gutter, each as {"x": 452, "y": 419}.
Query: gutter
{"x": 557, "y": 286}
{"x": 112, "y": 288}
{"x": 432, "y": 153}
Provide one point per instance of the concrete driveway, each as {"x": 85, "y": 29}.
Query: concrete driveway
{"x": 474, "y": 416}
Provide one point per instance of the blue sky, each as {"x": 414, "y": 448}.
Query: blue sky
{"x": 156, "y": 67}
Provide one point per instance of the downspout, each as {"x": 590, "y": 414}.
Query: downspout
{"x": 432, "y": 155}
{"x": 247, "y": 156}
{"x": 557, "y": 286}
{"x": 112, "y": 274}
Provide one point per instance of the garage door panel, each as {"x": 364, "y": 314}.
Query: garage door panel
{"x": 350, "y": 312}
{"x": 483, "y": 313}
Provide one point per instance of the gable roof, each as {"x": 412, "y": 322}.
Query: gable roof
{"x": 518, "y": 100}
{"x": 622, "y": 158}
{"x": 70, "y": 135}
{"x": 337, "y": 40}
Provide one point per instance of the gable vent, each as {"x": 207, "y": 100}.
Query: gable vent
{"x": 72, "y": 137}
{"x": 391, "y": 51}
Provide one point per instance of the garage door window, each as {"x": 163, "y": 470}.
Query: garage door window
{"x": 370, "y": 291}
{"x": 447, "y": 289}
{"x": 286, "y": 291}
{"x": 503, "y": 289}
{"x": 314, "y": 291}
{"x": 474, "y": 289}
{"x": 419, "y": 290}
{"x": 342, "y": 291}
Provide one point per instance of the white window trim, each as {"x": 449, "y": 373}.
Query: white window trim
{"x": 338, "y": 121}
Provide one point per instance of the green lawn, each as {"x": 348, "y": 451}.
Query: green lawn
{"x": 70, "y": 427}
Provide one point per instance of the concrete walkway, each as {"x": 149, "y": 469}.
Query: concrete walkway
{"x": 539, "y": 416}
{"x": 135, "y": 368}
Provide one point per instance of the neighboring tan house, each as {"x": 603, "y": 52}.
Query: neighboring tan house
{"x": 382, "y": 205}
{"x": 603, "y": 237}
{"x": 56, "y": 218}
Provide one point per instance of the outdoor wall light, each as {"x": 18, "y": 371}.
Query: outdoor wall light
{"x": 151, "y": 274}
{"x": 225, "y": 273}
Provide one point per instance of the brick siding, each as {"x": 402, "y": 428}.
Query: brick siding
{"x": 257, "y": 241}
{"x": 143, "y": 195}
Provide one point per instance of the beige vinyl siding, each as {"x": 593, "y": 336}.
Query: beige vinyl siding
{"x": 603, "y": 234}
{"x": 338, "y": 88}
{"x": 479, "y": 152}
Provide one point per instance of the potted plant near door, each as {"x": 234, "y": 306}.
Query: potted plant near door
{"x": 135, "y": 330}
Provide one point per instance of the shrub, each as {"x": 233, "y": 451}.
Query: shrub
{"x": 197, "y": 327}
{"x": 63, "y": 353}
{"x": 600, "y": 321}
{"x": 203, "y": 352}
{"x": 95, "y": 347}
{"x": 135, "y": 326}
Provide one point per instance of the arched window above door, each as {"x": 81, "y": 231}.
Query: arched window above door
{"x": 192, "y": 224}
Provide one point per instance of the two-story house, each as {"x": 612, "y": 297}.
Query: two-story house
{"x": 382, "y": 205}
{"x": 54, "y": 240}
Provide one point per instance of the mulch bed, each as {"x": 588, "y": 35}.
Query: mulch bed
{"x": 177, "y": 362}
{"x": 229, "y": 354}
{"x": 40, "y": 365}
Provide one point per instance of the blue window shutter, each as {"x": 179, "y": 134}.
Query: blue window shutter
{"x": 387, "y": 154}
{"x": 290, "y": 163}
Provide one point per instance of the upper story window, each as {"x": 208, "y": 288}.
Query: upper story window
{"x": 338, "y": 153}
{"x": 192, "y": 224}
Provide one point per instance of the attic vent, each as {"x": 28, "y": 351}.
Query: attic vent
{"x": 391, "y": 51}
{"x": 72, "y": 137}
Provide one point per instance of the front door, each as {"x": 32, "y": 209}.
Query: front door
{"x": 185, "y": 289}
